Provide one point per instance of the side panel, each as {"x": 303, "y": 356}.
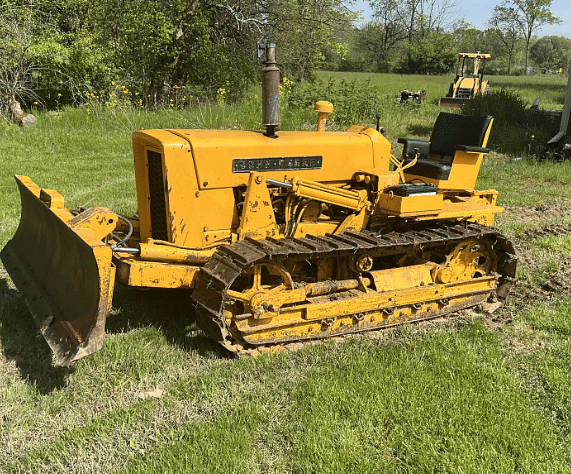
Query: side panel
{"x": 341, "y": 154}
{"x": 171, "y": 205}
{"x": 186, "y": 178}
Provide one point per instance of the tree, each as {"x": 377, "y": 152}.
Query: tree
{"x": 528, "y": 15}
{"x": 376, "y": 41}
{"x": 551, "y": 53}
{"x": 157, "y": 46}
{"x": 304, "y": 29}
{"x": 416, "y": 16}
{"x": 468, "y": 38}
{"x": 30, "y": 52}
{"x": 416, "y": 21}
{"x": 434, "y": 54}
{"x": 506, "y": 27}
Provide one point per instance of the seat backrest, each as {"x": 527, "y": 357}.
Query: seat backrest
{"x": 451, "y": 130}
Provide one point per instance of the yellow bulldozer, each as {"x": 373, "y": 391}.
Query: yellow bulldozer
{"x": 278, "y": 236}
{"x": 466, "y": 86}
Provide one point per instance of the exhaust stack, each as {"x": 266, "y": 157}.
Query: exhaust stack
{"x": 270, "y": 91}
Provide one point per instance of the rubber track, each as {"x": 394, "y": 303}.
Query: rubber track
{"x": 228, "y": 262}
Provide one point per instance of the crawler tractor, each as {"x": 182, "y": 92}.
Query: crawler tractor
{"x": 278, "y": 236}
{"x": 466, "y": 86}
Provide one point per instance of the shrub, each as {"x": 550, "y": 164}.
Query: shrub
{"x": 517, "y": 129}
{"x": 354, "y": 101}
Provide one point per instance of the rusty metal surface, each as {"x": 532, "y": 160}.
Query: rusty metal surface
{"x": 59, "y": 275}
{"x": 270, "y": 91}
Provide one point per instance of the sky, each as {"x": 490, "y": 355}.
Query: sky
{"x": 477, "y": 13}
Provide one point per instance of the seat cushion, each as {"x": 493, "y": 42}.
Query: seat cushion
{"x": 429, "y": 169}
{"x": 451, "y": 130}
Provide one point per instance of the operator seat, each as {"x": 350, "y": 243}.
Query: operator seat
{"x": 453, "y": 156}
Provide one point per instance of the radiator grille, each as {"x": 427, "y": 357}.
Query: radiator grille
{"x": 159, "y": 228}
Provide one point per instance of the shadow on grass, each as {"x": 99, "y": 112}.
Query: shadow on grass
{"x": 170, "y": 311}
{"x": 23, "y": 344}
{"x": 417, "y": 129}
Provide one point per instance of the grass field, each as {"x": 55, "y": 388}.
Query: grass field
{"x": 470, "y": 394}
{"x": 551, "y": 88}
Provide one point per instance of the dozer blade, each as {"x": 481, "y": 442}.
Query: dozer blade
{"x": 451, "y": 102}
{"x": 63, "y": 269}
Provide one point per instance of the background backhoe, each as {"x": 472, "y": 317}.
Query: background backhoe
{"x": 467, "y": 85}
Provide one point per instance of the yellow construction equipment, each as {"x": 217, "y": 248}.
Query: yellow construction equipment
{"x": 279, "y": 236}
{"x": 466, "y": 86}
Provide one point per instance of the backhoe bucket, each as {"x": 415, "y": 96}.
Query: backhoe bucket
{"x": 63, "y": 269}
{"x": 452, "y": 102}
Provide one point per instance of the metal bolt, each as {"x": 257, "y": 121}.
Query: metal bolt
{"x": 326, "y": 323}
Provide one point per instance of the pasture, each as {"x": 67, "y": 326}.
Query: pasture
{"x": 465, "y": 394}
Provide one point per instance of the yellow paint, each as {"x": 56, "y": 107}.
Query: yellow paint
{"x": 199, "y": 182}
{"x": 135, "y": 272}
{"x": 258, "y": 220}
{"x": 464, "y": 171}
{"x": 354, "y": 200}
{"x": 162, "y": 252}
{"x": 323, "y": 108}
{"x": 358, "y": 311}
{"x": 404, "y": 206}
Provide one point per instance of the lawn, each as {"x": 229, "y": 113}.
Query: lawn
{"x": 465, "y": 394}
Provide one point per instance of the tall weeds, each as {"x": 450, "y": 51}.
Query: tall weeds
{"x": 517, "y": 129}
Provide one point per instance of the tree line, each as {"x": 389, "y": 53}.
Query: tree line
{"x": 54, "y": 52}
{"x": 424, "y": 36}
{"x": 151, "y": 53}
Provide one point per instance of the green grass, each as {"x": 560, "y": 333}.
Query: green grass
{"x": 460, "y": 396}
{"x": 371, "y": 408}
{"x": 551, "y": 88}
{"x": 516, "y": 131}
{"x": 523, "y": 182}
{"x": 543, "y": 364}
{"x": 418, "y": 402}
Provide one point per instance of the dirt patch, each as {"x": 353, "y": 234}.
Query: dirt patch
{"x": 561, "y": 281}
{"x": 530, "y": 260}
{"x": 550, "y": 230}
{"x": 528, "y": 295}
{"x": 545, "y": 220}
{"x": 540, "y": 221}
{"x": 537, "y": 214}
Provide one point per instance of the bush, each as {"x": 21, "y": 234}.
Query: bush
{"x": 517, "y": 129}
{"x": 354, "y": 101}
